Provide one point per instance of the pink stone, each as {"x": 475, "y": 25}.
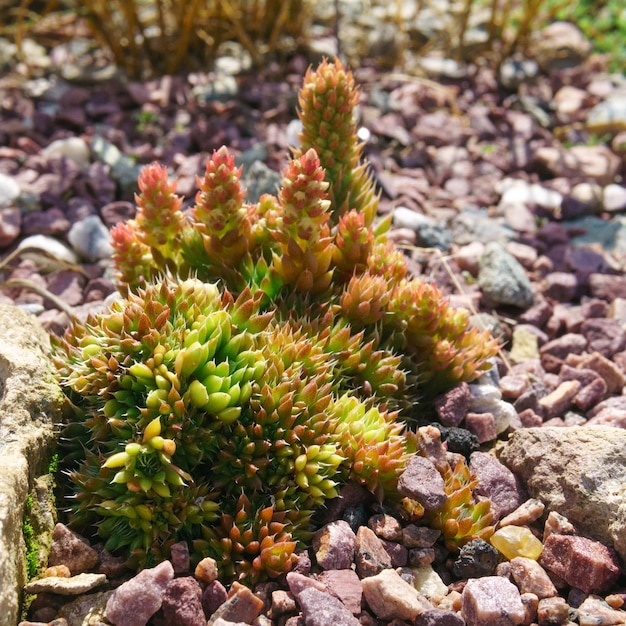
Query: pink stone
{"x": 182, "y": 604}
{"x": 320, "y": 609}
{"x": 134, "y": 602}
{"x": 497, "y": 483}
{"x": 70, "y": 549}
{"x": 10, "y": 225}
{"x": 334, "y": 545}
{"x": 422, "y": 482}
{"x": 560, "y": 286}
{"x": 371, "y": 556}
{"x": 345, "y": 585}
{"x": 241, "y": 606}
{"x": 452, "y": 406}
{"x": 492, "y": 600}
{"x": 603, "y": 335}
{"x": 581, "y": 562}
{"x": 513, "y": 386}
{"x": 532, "y": 578}
{"x": 386, "y": 527}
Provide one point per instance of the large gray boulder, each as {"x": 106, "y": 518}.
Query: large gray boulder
{"x": 579, "y": 472}
{"x": 30, "y": 406}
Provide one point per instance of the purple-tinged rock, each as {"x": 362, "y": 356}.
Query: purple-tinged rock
{"x": 371, "y": 556}
{"x": 390, "y": 597}
{"x": 496, "y": 482}
{"x": 334, "y": 545}
{"x": 581, "y": 562}
{"x": 603, "y": 335}
{"x": 492, "y": 600}
{"x": 583, "y": 375}
{"x": 482, "y": 426}
{"x": 182, "y": 603}
{"x": 397, "y": 552}
{"x": 298, "y": 583}
{"x": 69, "y": 548}
{"x": 414, "y": 536}
{"x": 241, "y": 606}
{"x": 607, "y": 286}
{"x": 530, "y": 577}
{"x": 422, "y": 482}
{"x": 570, "y": 343}
{"x": 513, "y": 386}
{"x": 590, "y": 395}
{"x": 116, "y": 212}
{"x": 180, "y": 558}
{"x": 560, "y": 286}
{"x": 438, "y": 617}
{"x": 610, "y": 373}
{"x": 51, "y": 222}
{"x": 344, "y": 584}
{"x": 452, "y": 406}
{"x": 213, "y": 596}
{"x": 323, "y": 609}
{"x": 134, "y": 602}
{"x": 421, "y": 557}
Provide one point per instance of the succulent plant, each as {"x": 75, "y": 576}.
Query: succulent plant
{"x": 462, "y": 518}
{"x": 262, "y": 355}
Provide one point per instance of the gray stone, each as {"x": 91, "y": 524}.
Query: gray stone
{"x": 9, "y": 190}
{"x": 579, "y": 472}
{"x": 502, "y": 279}
{"x": 614, "y": 198}
{"x": 123, "y": 169}
{"x": 90, "y": 238}
{"x": 73, "y": 148}
{"x": 514, "y": 72}
{"x": 30, "y": 405}
{"x": 48, "y": 253}
{"x": 87, "y": 610}
{"x": 560, "y": 45}
{"x": 516, "y": 191}
{"x": 608, "y": 116}
{"x": 258, "y": 179}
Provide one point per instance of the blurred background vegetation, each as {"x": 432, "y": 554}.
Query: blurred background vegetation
{"x": 154, "y": 37}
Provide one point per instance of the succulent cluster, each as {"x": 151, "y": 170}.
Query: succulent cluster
{"x": 263, "y": 355}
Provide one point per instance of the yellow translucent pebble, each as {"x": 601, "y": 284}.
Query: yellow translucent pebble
{"x": 515, "y": 541}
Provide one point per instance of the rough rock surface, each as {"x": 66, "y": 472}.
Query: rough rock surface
{"x": 577, "y": 472}
{"x": 30, "y": 404}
